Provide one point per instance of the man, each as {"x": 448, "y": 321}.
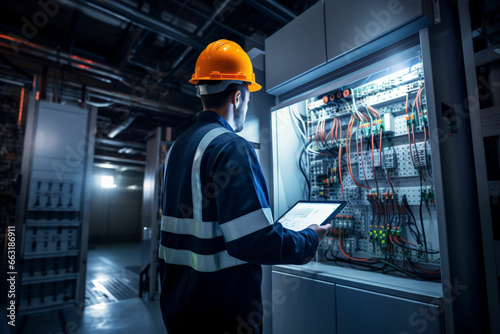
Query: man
{"x": 217, "y": 227}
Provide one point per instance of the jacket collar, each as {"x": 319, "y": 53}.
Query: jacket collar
{"x": 213, "y": 117}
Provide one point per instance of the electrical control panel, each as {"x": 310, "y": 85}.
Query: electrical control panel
{"x": 51, "y": 272}
{"x": 368, "y": 142}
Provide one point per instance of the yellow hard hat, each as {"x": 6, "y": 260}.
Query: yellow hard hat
{"x": 224, "y": 60}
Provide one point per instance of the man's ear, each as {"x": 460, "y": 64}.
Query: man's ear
{"x": 236, "y": 98}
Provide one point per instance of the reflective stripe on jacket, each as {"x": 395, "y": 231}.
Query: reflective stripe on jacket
{"x": 216, "y": 231}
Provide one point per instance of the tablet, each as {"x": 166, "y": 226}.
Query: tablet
{"x": 305, "y": 213}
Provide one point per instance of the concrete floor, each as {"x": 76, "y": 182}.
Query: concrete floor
{"x": 111, "y": 313}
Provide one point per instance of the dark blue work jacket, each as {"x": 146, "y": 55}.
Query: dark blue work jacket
{"x": 216, "y": 231}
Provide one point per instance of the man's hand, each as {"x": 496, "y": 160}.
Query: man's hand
{"x": 321, "y": 231}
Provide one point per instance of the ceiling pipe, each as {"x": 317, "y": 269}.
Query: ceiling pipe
{"x": 268, "y": 11}
{"x": 117, "y": 159}
{"x": 143, "y": 20}
{"x": 214, "y": 21}
{"x": 120, "y": 127}
{"x": 119, "y": 143}
{"x": 119, "y": 167}
{"x": 291, "y": 15}
{"x": 85, "y": 65}
{"x": 110, "y": 95}
{"x": 78, "y": 63}
{"x": 18, "y": 44}
{"x": 125, "y": 99}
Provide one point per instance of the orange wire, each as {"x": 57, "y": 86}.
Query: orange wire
{"x": 327, "y": 134}
{"x": 409, "y": 243}
{"x": 336, "y": 128}
{"x": 340, "y": 155}
{"x": 340, "y": 172}
{"x": 374, "y": 111}
{"x": 406, "y": 107}
{"x": 373, "y": 161}
{"x": 331, "y": 131}
{"x": 380, "y": 147}
{"x": 352, "y": 258}
{"x": 425, "y": 271}
{"x": 349, "y": 167}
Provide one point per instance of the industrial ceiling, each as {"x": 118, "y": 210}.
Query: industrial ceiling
{"x": 130, "y": 58}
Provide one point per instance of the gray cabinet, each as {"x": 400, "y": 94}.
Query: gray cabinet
{"x": 297, "y": 47}
{"x": 361, "y": 311}
{"x": 302, "y": 305}
{"x": 333, "y": 34}
{"x": 303, "y": 302}
{"x": 55, "y": 198}
{"x": 350, "y": 25}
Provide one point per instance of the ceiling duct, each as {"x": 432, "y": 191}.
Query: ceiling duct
{"x": 143, "y": 20}
{"x": 122, "y": 126}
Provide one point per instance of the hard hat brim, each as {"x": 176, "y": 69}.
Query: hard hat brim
{"x": 253, "y": 87}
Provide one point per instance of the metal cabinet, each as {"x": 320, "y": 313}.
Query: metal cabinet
{"x": 302, "y": 305}
{"x": 332, "y": 34}
{"x": 361, "y": 311}
{"x": 353, "y": 27}
{"x": 297, "y": 47}
{"x": 55, "y": 206}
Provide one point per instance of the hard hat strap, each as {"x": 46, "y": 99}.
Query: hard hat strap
{"x": 205, "y": 89}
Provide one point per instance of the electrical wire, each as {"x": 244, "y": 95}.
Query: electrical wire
{"x": 404, "y": 240}
{"x": 297, "y": 122}
{"x": 426, "y": 131}
{"x": 342, "y": 250}
{"x": 362, "y": 160}
{"x": 414, "y": 249}
{"x": 304, "y": 173}
{"x": 313, "y": 152}
{"x": 348, "y": 148}
{"x": 416, "y": 152}
{"x": 399, "y": 269}
{"x": 421, "y": 219}
{"x": 373, "y": 163}
{"x": 413, "y": 264}
{"x": 406, "y": 210}
{"x": 340, "y": 158}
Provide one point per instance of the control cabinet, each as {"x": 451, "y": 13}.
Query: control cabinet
{"x": 367, "y": 141}
{"x": 383, "y": 125}
{"x": 54, "y": 222}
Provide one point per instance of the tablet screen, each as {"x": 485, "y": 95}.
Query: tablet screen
{"x": 303, "y": 214}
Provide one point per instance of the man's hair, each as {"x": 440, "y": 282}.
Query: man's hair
{"x": 219, "y": 100}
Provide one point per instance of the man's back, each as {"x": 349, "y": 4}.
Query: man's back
{"x": 202, "y": 285}
{"x": 216, "y": 231}
{"x": 217, "y": 227}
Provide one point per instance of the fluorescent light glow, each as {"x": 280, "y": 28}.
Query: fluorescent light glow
{"x": 108, "y": 181}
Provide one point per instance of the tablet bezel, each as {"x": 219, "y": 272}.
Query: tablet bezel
{"x": 328, "y": 219}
